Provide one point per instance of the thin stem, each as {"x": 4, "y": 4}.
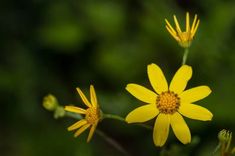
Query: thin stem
{"x": 216, "y": 149}
{"x": 116, "y": 117}
{"x": 222, "y": 150}
{"x": 112, "y": 116}
{"x": 112, "y": 142}
{"x": 185, "y": 56}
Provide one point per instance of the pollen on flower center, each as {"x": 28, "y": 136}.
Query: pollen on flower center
{"x": 185, "y": 36}
{"x": 92, "y": 115}
{"x": 168, "y": 102}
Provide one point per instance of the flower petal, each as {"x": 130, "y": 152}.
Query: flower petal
{"x": 187, "y": 22}
{"x": 77, "y": 125}
{"x": 142, "y": 93}
{"x": 84, "y": 99}
{"x": 92, "y": 130}
{"x": 172, "y": 34}
{"x": 93, "y": 96}
{"x": 75, "y": 109}
{"x": 194, "y": 24}
{"x": 195, "y": 29}
{"x": 180, "y": 128}
{"x": 177, "y": 25}
{"x": 161, "y": 129}
{"x": 195, "y": 94}
{"x": 157, "y": 78}
{"x": 82, "y": 129}
{"x": 170, "y": 27}
{"x": 142, "y": 114}
{"x": 195, "y": 112}
{"x": 180, "y": 79}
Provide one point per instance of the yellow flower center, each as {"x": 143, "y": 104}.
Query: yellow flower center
{"x": 168, "y": 102}
{"x": 185, "y": 39}
{"x": 92, "y": 115}
{"x": 185, "y": 36}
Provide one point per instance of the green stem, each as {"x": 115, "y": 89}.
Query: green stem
{"x": 112, "y": 142}
{"x": 185, "y": 56}
{"x": 222, "y": 150}
{"x": 216, "y": 149}
{"x": 116, "y": 117}
{"x": 112, "y": 116}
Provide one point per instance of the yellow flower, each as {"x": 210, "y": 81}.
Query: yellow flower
{"x": 168, "y": 104}
{"x": 184, "y": 38}
{"x": 92, "y": 114}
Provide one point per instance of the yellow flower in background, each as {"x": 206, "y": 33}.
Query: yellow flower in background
{"x": 92, "y": 114}
{"x": 184, "y": 38}
{"x": 168, "y": 104}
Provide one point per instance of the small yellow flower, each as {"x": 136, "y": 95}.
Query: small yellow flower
{"x": 168, "y": 104}
{"x": 92, "y": 114}
{"x": 184, "y": 38}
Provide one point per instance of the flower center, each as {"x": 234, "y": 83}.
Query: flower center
{"x": 185, "y": 36}
{"x": 168, "y": 102}
{"x": 185, "y": 39}
{"x": 92, "y": 115}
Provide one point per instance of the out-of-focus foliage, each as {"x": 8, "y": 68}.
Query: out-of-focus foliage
{"x": 55, "y": 46}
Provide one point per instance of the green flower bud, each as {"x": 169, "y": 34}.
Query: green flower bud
{"x": 50, "y": 102}
{"x": 225, "y": 136}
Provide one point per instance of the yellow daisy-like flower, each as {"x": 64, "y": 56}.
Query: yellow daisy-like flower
{"x": 168, "y": 104}
{"x": 92, "y": 114}
{"x": 184, "y": 38}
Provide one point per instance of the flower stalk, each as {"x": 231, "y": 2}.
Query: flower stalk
{"x": 185, "y": 56}
{"x": 119, "y": 118}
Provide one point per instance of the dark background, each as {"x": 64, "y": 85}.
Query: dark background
{"x": 56, "y": 46}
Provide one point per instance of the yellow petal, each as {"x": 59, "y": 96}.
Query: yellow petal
{"x": 177, "y": 25}
{"x": 82, "y": 129}
{"x": 75, "y": 109}
{"x": 93, "y": 96}
{"x": 195, "y": 112}
{"x": 180, "y": 79}
{"x": 84, "y": 99}
{"x": 180, "y": 128}
{"x": 77, "y": 125}
{"x": 172, "y": 34}
{"x": 194, "y": 23}
{"x": 142, "y": 93}
{"x": 195, "y": 29}
{"x": 170, "y": 27}
{"x": 195, "y": 94}
{"x": 92, "y": 130}
{"x": 187, "y": 22}
{"x": 157, "y": 78}
{"x": 161, "y": 129}
{"x": 142, "y": 114}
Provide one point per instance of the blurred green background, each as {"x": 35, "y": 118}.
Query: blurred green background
{"x": 56, "y": 46}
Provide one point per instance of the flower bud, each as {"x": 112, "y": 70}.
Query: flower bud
{"x": 225, "y": 136}
{"x": 50, "y": 102}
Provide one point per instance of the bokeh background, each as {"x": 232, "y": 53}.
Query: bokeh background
{"x": 56, "y": 46}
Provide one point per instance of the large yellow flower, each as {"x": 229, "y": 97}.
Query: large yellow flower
{"x": 168, "y": 104}
{"x": 184, "y": 38}
{"x": 92, "y": 114}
